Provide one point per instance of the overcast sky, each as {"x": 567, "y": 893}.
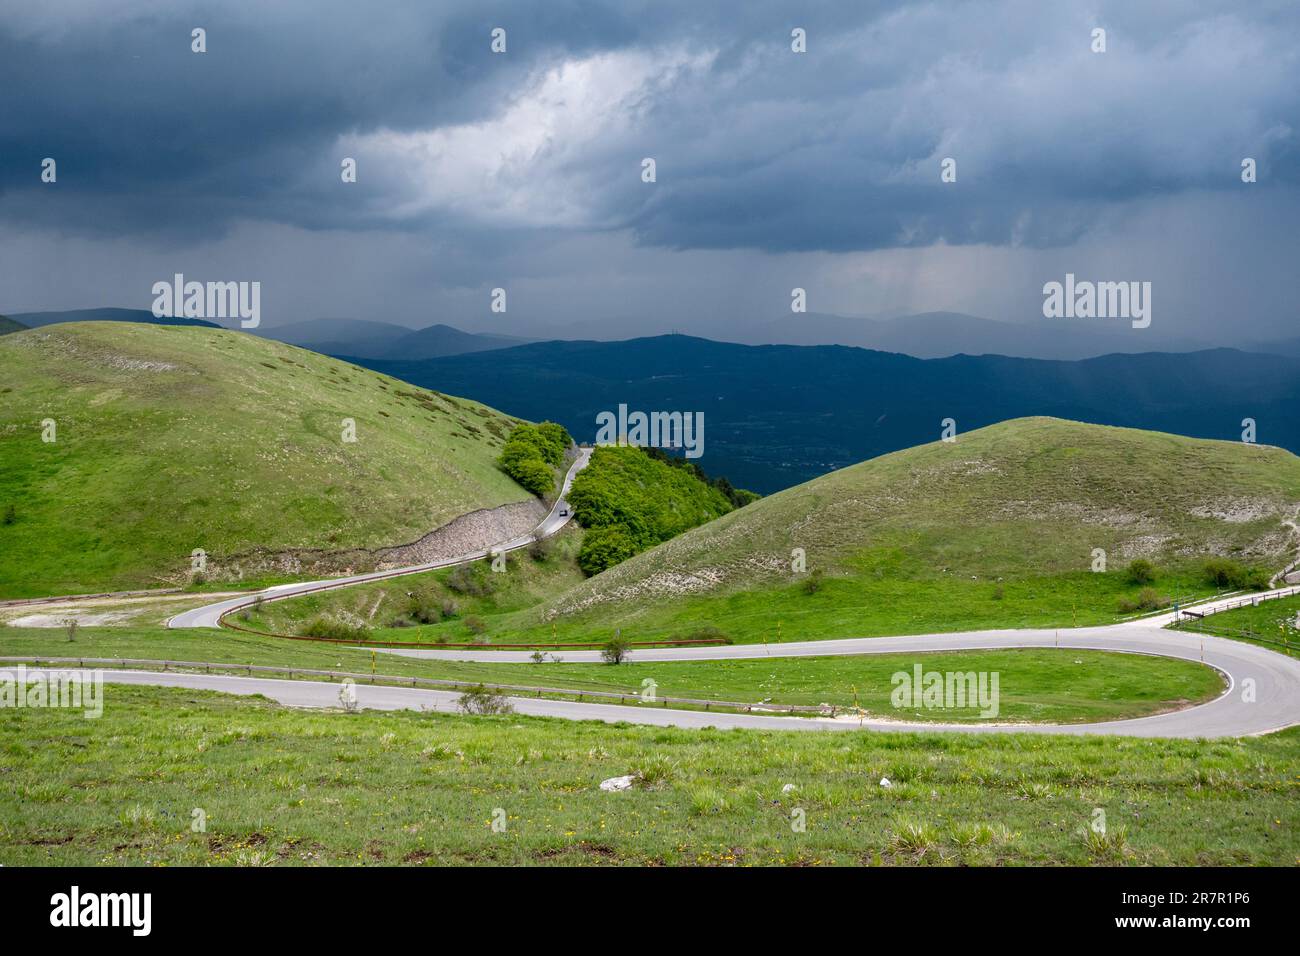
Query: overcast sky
{"x": 775, "y": 169}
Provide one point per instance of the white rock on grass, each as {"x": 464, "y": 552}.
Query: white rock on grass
{"x": 884, "y": 782}
{"x": 614, "y": 784}
{"x": 789, "y": 788}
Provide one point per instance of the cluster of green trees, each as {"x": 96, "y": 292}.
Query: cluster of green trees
{"x": 532, "y": 454}
{"x": 629, "y": 500}
{"x": 738, "y": 497}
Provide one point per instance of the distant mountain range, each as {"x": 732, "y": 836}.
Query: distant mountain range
{"x": 363, "y": 338}
{"x": 777, "y": 415}
{"x": 940, "y": 334}
{"x": 8, "y": 325}
{"x": 923, "y": 335}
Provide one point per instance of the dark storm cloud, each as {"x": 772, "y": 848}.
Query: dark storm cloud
{"x": 834, "y": 149}
{"x": 473, "y": 161}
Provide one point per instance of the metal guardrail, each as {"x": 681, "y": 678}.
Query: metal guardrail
{"x": 1237, "y": 633}
{"x": 1194, "y": 622}
{"x": 124, "y": 663}
{"x": 60, "y": 599}
{"x": 1253, "y": 600}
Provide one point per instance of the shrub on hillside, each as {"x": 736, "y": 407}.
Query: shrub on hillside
{"x": 484, "y": 700}
{"x": 1227, "y": 573}
{"x": 1258, "y": 579}
{"x": 556, "y": 440}
{"x": 813, "y": 583}
{"x": 336, "y": 628}
{"x": 422, "y": 608}
{"x": 549, "y": 439}
{"x": 1221, "y": 572}
{"x": 473, "y": 580}
{"x": 533, "y": 453}
{"x": 1140, "y": 571}
{"x": 616, "y": 650}
{"x": 541, "y": 549}
{"x": 1148, "y": 599}
{"x": 536, "y": 476}
{"x": 603, "y": 548}
{"x": 516, "y": 451}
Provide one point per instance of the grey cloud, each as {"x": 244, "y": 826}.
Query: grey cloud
{"x": 772, "y": 165}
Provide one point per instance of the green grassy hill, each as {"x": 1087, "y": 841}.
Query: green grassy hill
{"x": 995, "y": 529}
{"x": 170, "y": 439}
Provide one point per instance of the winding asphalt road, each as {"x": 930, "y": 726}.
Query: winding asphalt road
{"x": 1262, "y": 695}
{"x": 210, "y": 615}
{"x": 1262, "y": 688}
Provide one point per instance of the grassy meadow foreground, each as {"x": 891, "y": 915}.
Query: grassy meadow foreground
{"x": 278, "y": 786}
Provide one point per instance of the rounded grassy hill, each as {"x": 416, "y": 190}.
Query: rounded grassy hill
{"x": 124, "y": 447}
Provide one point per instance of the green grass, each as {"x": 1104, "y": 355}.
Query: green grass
{"x": 1272, "y": 624}
{"x": 851, "y": 607}
{"x": 288, "y": 787}
{"x": 997, "y": 529}
{"x": 1035, "y": 685}
{"x": 171, "y": 439}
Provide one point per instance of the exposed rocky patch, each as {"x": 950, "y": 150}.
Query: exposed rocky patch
{"x": 475, "y": 531}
